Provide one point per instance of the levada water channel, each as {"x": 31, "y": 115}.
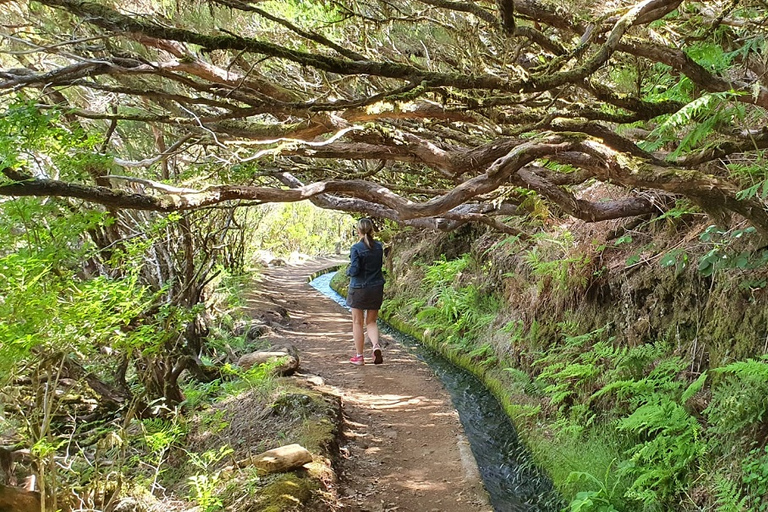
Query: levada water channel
{"x": 513, "y": 482}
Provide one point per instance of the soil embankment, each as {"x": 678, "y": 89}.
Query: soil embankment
{"x": 403, "y": 449}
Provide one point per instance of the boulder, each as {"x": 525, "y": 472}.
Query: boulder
{"x": 289, "y": 366}
{"x": 283, "y": 459}
{"x": 14, "y": 499}
{"x": 256, "y": 331}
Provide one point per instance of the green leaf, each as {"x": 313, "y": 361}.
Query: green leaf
{"x": 668, "y": 260}
{"x": 694, "y": 388}
{"x": 742, "y": 260}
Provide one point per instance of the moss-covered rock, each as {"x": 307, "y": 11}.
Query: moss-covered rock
{"x": 284, "y": 493}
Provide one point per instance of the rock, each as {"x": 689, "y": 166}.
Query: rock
{"x": 127, "y": 505}
{"x": 18, "y": 500}
{"x": 315, "y": 380}
{"x": 283, "y": 459}
{"x": 276, "y": 315}
{"x": 290, "y": 365}
{"x": 256, "y": 331}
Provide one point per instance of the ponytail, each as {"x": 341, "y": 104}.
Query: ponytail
{"x": 365, "y": 228}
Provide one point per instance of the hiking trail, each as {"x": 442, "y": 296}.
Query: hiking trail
{"x": 403, "y": 447}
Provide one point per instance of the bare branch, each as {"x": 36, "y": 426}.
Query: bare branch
{"x": 147, "y": 162}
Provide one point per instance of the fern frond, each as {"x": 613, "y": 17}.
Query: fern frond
{"x": 694, "y": 388}
{"x": 729, "y": 497}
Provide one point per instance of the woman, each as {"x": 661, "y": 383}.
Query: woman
{"x": 366, "y": 290}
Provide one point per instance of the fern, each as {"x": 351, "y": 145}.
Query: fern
{"x": 574, "y": 368}
{"x": 669, "y": 444}
{"x": 661, "y": 381}
{"x": 694, "y": 388}
{"x": 708, "y": 110}
{"x": 760, "y": 189}
{"x": 667, "y": 85}
{"x": 710, "y": 55}
{"x": 565, "y": 380}
{"x": 563, "y": 274}
{"x": 481, "y": 352}
{"x": 442, "y": 271}
{"x": 754, "y": 477}
{"x": 749, "y": 369}
{"x": 699, "y": 132}
{"x": 741, "y": 400}
{"x": 729, "y": 497}
{"x": 518, "y": 378}
{"x": 457, "y": 313}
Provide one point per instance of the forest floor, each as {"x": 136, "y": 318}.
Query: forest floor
{"x": 403, "y": 448}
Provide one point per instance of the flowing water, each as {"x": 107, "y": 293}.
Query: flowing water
{"x": 513, "y": 482}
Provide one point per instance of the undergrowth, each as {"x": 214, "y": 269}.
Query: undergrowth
{"x": 642, "y": 426}
{"x": 451, "y": 306}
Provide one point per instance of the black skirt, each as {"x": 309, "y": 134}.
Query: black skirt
{"x": 369, "y": 297}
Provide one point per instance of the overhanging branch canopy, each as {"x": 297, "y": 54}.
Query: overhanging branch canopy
{"x": 371, "y": 106}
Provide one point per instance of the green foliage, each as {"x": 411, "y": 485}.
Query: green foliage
{"x": 557, "y": 266}
{"x": 601, "y": 499}
{"x": 740, "y": 401}
{"x": 759, "y": 190}
{"x": 729, "y": 497}
{"x": 484, "y": 354}
{"x": 444, "y": 271}
{"x": 509, "y": 243}
{"x": 722, "y": 255}
{"x": 664, "y": 84}
{"x": 565, "y": 380}
{"x": 569, "y": 370}
{"x": 682, "y": 209}
{"x": 258, "y": 379}
{"x": 459, "y": 311}
{"x": 662, "y": 380}
{"x": 754, "y": 479}
{"x": 519, "y": 381}
{"x": 697, "y": 121}
{"x": 51, "y": 306}
{"x": 203, "y": 492}
{"x": 710, "y": 55}
{"x": 203, "y": 485}
{"x": 26, "y": 133}
{"x": 663, "y": 442}
{"x": 678, "y": 440}
{"x": 160, "y": 434}
{"x": 312, "y": 13}
{"x": 302, "y": 227}
{"x": 668, "y": 448}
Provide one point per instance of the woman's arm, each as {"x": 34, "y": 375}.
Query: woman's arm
{"x": 354, "y": 263}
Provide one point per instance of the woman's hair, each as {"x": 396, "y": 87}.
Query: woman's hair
{"x": 365, "y": 228}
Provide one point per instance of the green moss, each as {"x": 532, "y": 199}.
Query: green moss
{"x": 287, "y": 492}
{"x": 316, "y": 417}
{"x": 315, "y": 435}
{"x": 340, "y": 281}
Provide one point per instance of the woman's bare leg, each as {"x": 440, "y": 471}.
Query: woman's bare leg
{"x": 370, "y": 326}
{"x": 358, "y": 316}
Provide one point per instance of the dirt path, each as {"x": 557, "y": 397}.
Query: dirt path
{"x": 404, "y": 447}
